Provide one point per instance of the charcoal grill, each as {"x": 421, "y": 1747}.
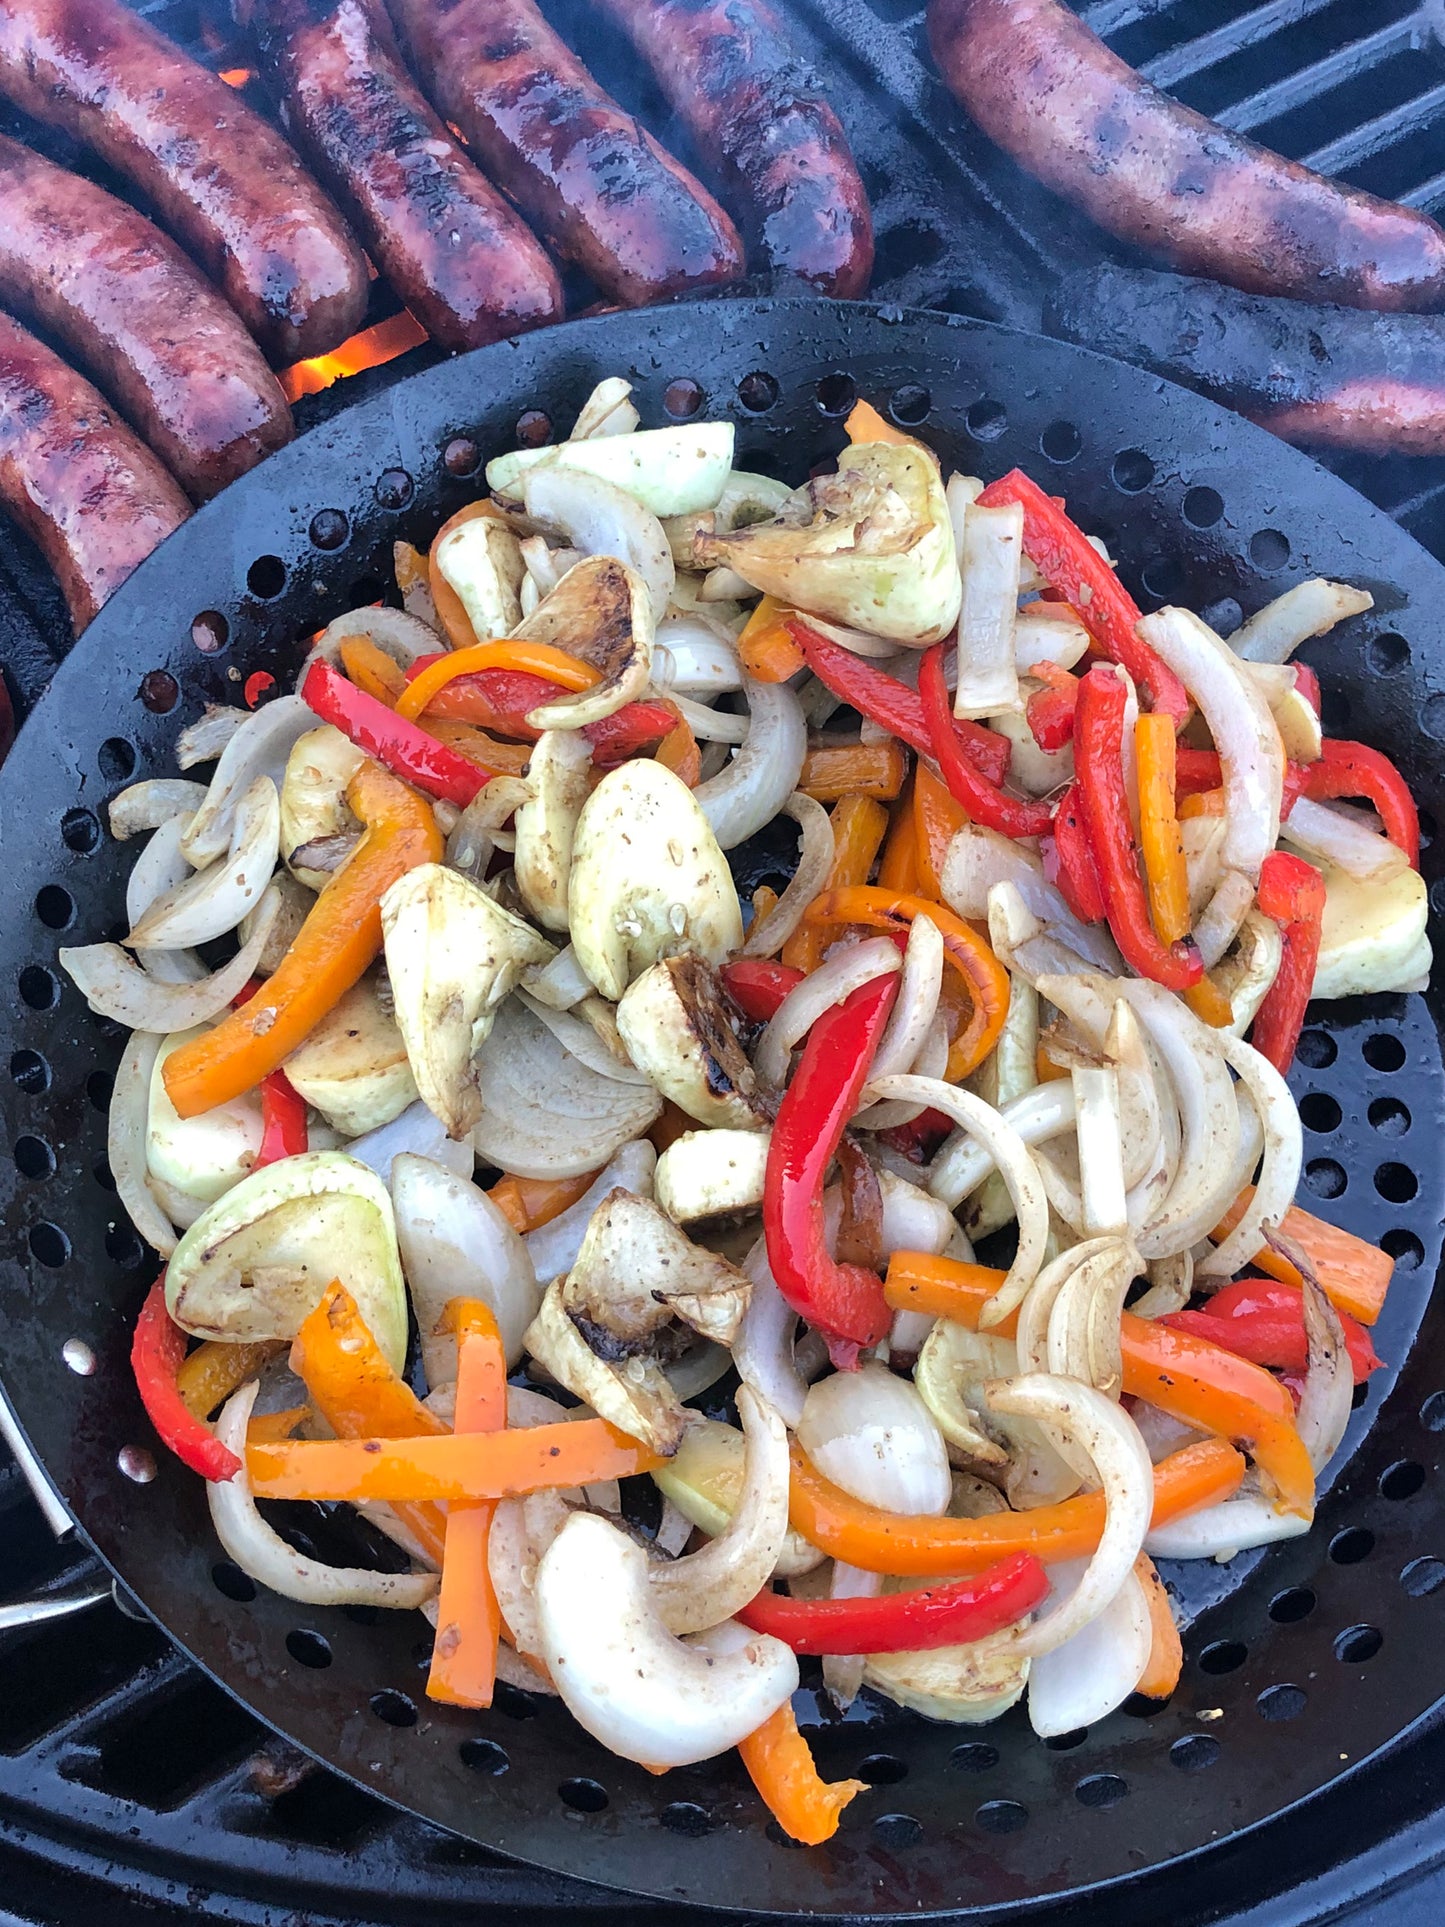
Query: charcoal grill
{"x": 131, "y": 1788}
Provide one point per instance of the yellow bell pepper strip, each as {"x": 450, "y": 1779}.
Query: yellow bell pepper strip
{"x": 476, "y": 1465}
{"x": 766, "y": 647}
{"x": 984, "y": 977}
{"x": 333, "y": 948}
{"x": 532, "y": 658}
{"x": 898, "y": 866}
{"x": 267, "y": 1428}
{"x": 372, "y": 669}
{"x": 1163, "y": 853}
{"x": 1201, "y": 803}
{"x": 529, "y": 1203}
{"x": 210, "y": 1374}
{"x": 859, "y": 827}
{"x": 834, "y": 770}
{"x": 469, "y": 1621}
{"x": 1209, "y": 1003}
{"x": 865, "y": 424}
{"x": 765, "y": 901}
{"x": 918, "y": 1547}
{"x": 1190, "y": 1378}
{"x": 1166, "y": 1649}
{"x": 1352, "y": 1274}
{"x": 492, "y": 756}
{"x": 156, "y": 1352}
{"x": 781, "y": 1767}
{"x": 360, "y": 1395}
{"x": 937, "y": 819}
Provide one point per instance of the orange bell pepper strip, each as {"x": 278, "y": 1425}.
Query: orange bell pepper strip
{"x": 983, "y": 975}
{"x": 332, "y": 950}
{"x": 765, "y": 648}
{"x": 489, "y": 752}
{"x": 865, "y": 424}
{"x": 1166, "y": 1649}
{"x": 372, "y": 669}
{"x": 915, "y": 1546}
{"x": 1202, "y": 803}
{"x": 898, "y": 866}
{"x": 1352, "y": 1274}
{"x": 765, "y": 901}
{"x": 678, "y": 751}
{"x": 1209, "y": 1003}
{"x": 208, "y": 1375}
{"x": 528, "y": 1203}
{"x": 268, "y": 1428}
{"x": 360, "y": 1395}
{"x": 835, "y": 770}
{"x": 781, "y": 1767}
{"x": 469, "y": 1620}
{"x": 1198, "y": 1382}
{"x": 533, "y": 658}
{"x": 476, "y": 1465}
{"x": 859, "y": 827}
{"x": 937, "y": 819}
{"x": 451, "y": 611}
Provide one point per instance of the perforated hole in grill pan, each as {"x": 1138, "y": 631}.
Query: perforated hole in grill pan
{"x": 1302, "y": 1661}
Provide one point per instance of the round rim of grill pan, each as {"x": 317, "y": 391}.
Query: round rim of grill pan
{"x": 1303, "y": 1660}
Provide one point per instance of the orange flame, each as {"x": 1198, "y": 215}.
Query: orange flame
{"x": 237, "y": 76}
{"x": 380, "y": 343}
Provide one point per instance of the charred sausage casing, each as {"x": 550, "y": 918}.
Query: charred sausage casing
{"x": 461, "y": 260}
{"x": 593, "y": 182}
{"x": 139, "y": 319}
{"x": 92, "y": 498}
{"x": 220, "y": 178}
{"x": 774, "y": 144}
{"x": 1079, "y": 119}
{"x": 1321, "y": 376}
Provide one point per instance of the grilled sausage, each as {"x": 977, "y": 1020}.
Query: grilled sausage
{"x": 596, "y": 185}
{"x": 218, "y": 176}
{"x": 765, "y": 130}
{"x": 92, "y": 498}
{"x": 139, "y": 319}
{"x": 1323, "y": 377}
{"x": 1048, "y": 90}
{"x": 461, "y": 260}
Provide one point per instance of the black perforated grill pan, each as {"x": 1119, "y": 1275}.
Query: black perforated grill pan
{"x": 1303, "y": 1661}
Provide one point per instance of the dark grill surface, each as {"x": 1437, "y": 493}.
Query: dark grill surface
{"x": 131, "y": 1789}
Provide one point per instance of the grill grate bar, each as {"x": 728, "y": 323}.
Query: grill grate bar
{"x": 1374, "y": 136}
{"x": 1209, "y": 49}
{"x": 1352, "y": 62}
{"x": 1113, "y": 16}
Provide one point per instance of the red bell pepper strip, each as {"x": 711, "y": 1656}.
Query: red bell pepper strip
{"x": 757, "y": 985}
{"x": 404, "y": 747}
{"x": 951, "y": 1614}
{"x": 1104, "y": 807}
{"x": 283, "y": 1120}
{"x": 1069, "y": 860}
{"x": 1050, "y": 710}
{"x": 984, "y": 801}
{"x": 1198, "y": 770}
{"x": 1061, "y": 554}
{"x": 845, "y": 1302}
{"x": 501, "y": 699}
{"x": 884, "y": 700}
{"x": 919, "y": 1140}
{"x": 1353, "y": 769}
{"x": 1307, "y": 683}
{"x": 156, "y": 1353}
{"x": 1263, "y": 1320}
{"x": 627, "y": 731}
{"x": 1292, "y": 892}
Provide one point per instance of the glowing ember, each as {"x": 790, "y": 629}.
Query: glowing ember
{"x": 237, "y": 76}
{"x": 370, "y": 349}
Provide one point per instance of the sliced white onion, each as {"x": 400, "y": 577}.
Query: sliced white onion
{"x": 1095, "y": 1671}
{"x": 1283, "y": 1156}
{"x": 553, "y": 1247}
{"x": 763, "y": 1347}
{"x": 1171, "y": 1282}
{"x": 694, "y": 656}
{"x": 160, "y": 868}
{"x": 599, "y": 518}
{"x": 831, "y": 983}
{"x": 710, "y": 1585}
{"x": 843, "y": 1672}
{"x": 455, "y": 1243}
{"x": 146, "y": 806}
{"x": 1219, "y": 1531}
{"x": 215, "y": 899}
{"x": 964, "y": 1162}
{"x": 402, "y": 636}
{"x": 559, "y": 984}
{"x": 990, "y": 548}
{"x": 125, "y": 1145}
{"x": 815, "y": 859}
{"x": 1083, "y": 1340}
{"x": 1101, "y": 1149}
{"x": 1015, "y": 1164}
{"x": 259, "y": 747}
{"x": 918, "y": 991}
{"x": 265, "y": 1556}
{"x": 581, "y": 1041}
{"x": 1333, "y": 837}
{"x": 115, "y": 986}
{"x": 1111, "y": 1439}
{"x": 1309, "y": 609}
{"x": 1040, "y": 635}
{"x": 711, "y": 725}
{"x": 416, "y": 1132}
{"x": 206, "y": 738}
{"x": 872, "y": 1435}
{"x": 1218, "y": 923}
{"x": 1328, "y": 1395}
{"x": 478, "y": 831}
{"x": 978, "y": 859}
{"x": 754, "y": 786}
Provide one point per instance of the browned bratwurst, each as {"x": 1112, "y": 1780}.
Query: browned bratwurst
{"x": 1048, "y": 90}
{"x": 595, "y": 183}
{"x": 139, "y": 319}
{"x": 761, "y": 124}
{"x": 93, "y": 499}
{"x": 219, "y": 177}
{"x": 461, "y": 260}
